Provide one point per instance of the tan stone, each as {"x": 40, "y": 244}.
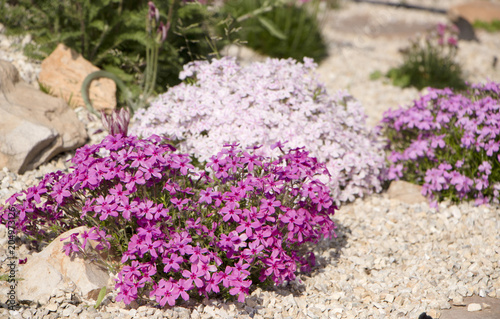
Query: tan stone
{"x": 34, "y": 126}
{"x": 474, "y": 307}
{"x": 476, "y": 10}
{"x": 406, "y": 192}
{"x": 64, "y": 71}
{"x": 51, "y": 270}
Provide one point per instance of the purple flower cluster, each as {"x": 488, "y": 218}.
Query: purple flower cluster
{"x": 261, "y": 104}
{"x": 181, "y": 232}
{"x": 449, "y": 143}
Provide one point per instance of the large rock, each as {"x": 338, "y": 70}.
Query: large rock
{"x": 64, "y": 71}
{"x": 34, "y": 126}
{"x": 51, "y": 270}
{"x": 476, "y": 10}
{"x": 406, "y": 192}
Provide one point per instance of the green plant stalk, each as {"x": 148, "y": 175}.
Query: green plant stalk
{"x": 104, "y": 74}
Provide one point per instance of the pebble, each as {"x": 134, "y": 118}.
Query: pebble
{"x": 474, "y": 307}
{"x": 389, "y": 260}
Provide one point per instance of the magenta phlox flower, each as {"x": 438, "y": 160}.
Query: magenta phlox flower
{"x": 197, "y": 254}
{"x": 254, "y": 248}
{"x": 144, "y": 209}
{"x": 253, "y": 213}
{"x": 323, "y": 200}
{"x": 179, "y": 202}
{"x": 182, "y": 163}
{"x": 125, "y": 294}
{"x": 267, "y": 207}
{"x": 251, "y": 160}
{"x": 481, "y": 183}
{"x": 148, "y": 232}
{"x": 172, "y": 263}
{"x": 241, "y": 290}
{"x": 461, "y": 182}
{"x": 181, "y": 241}
{"x": 119, "y": 193}
{"x": 166, "y": 292}
{"x": 230, "y": 211}
{"x": 435, "y": 179}
{"x": 194, "y": 275}
{"x": 193, "y": 224}
{"x": 207, "y": 195}
{"x": 238, "y": 240}
{"x": 59, "y": 192}
{"x": 491, "y": 147}
{"x": 153, "y": 247}
{"x": 35, "y": 192}
{"x": 72, "y": 246}
{"x": 91, "y": 234}
{"x": 184, "y": 286}
{"x": 262, "y": 234}
{"x": 242, "y": 189}
{"x": 291, "y": 218}
{"x": 207, "y": 269}
{"x": 241, "y": 269}
{"x": 103, "y": 239}
{"x": 485, "y": 167}
{"x": 437, "y": 141}
{"x": 225, "y": 241}
{"x": 105, "y": 206}
{"x": 395, "y": 172}
{"x": 275, "y": 265}
{"x": 132, "y": 272}
{"x": 248, "y": 226}
{"x": 216, "y": 162}
{"x": 212, "y": 283}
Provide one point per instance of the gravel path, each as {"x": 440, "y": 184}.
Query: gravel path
{"x": 390, "y": 259}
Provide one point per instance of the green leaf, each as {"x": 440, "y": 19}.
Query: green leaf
{"x": 97, "y": 24}
{"x": 269, "y": 26}
{"x": 100, "y": 297}
{"x": 375, "y": 75}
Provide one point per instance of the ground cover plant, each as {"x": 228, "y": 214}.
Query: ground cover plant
{"x": 180, "y": 232}
{"x": 492, "y": 26}
{"x": 277, "y": 28}
{"x": 448, "y": 141}
{"x": 430, "y": 61}
{"x": 264, "y": 103}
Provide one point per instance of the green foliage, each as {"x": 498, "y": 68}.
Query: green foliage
{"x": 493, "y": 26}
{"x": 100, "y": 297}
{"x": 277, "y": 28}
{"x": 111, "y": 34}
{"x": 430, "y": 62}
{"x": 375, "y": 75}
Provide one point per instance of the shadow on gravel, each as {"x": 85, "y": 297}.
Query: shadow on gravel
{"x": 333, "y": 246}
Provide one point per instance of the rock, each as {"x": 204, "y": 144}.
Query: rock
{"x": 64, "y": 71}
{"x": 59, "y": 272}
{"x": 458, "y": 301}
{"x": 34, "y": 127}
{"x": 474, "y": 307}
{"x": 406, "y": 192}
{"x": 243, "y": 54}
{"x": 476, "y": 10}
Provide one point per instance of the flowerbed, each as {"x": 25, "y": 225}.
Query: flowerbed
{"x": 183, "y": 232}
{"x": 263, "y": 103}
{"x": 448, "y": 142}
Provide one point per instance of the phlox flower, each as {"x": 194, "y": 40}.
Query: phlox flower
{"x": 464, "y": 127}
{"x": 286, "y": 101}
{"x": 171, "y": 232}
